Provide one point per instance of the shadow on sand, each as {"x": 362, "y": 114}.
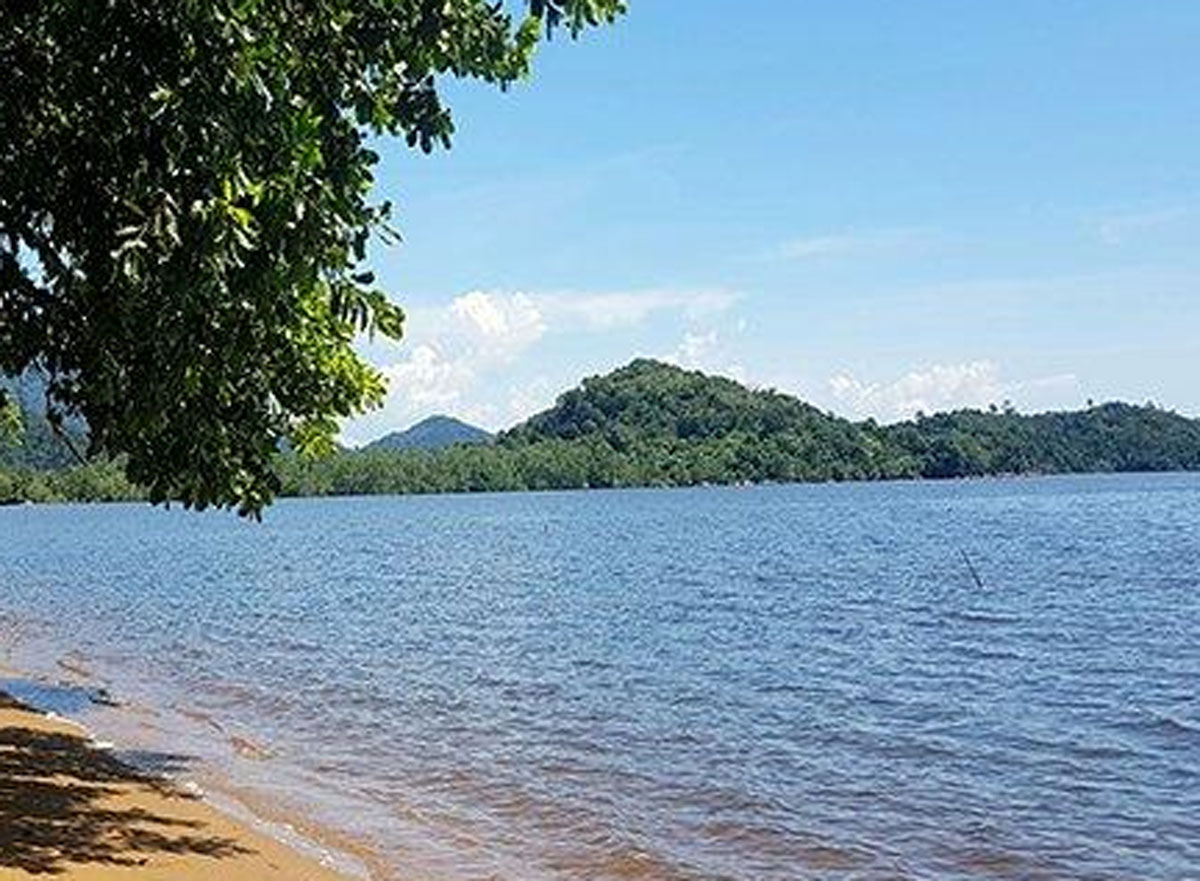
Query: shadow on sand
{"x": 63, "y": 802}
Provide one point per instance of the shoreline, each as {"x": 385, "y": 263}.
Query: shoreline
{"x": 949, "y": 480}
{"x": 82, "y": 810}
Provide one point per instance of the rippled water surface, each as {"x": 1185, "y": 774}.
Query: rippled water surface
{"x": 762, "y": 684}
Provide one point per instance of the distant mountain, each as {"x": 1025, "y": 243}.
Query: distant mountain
{"x": 38, "y": 447}
{"x": 433, "y": 433}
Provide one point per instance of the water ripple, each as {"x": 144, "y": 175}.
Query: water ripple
{"x": 768, "y": 684}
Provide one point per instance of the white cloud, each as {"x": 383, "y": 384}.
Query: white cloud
{"x": 616, "y": 309}
{"x": 703, "y": 350}
{"x": 531, "y": 397}
{"x": 1057, "y": 381}
{"x": 947, "y": 387}
{"x": 818, "y": 246}
{"x": 506, "y": 323}
{"x": 692, "y": 350}
{"x": 939, "y": 387}
{"x": 460, "y": 357}
{"x": 1116, "y": 229}
{"x": 865, "y": 243}
{"x": 445, "y": 356}
{"x": 427, "y": 378}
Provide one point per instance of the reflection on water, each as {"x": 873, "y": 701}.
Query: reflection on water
{"x": 773, "y": 683}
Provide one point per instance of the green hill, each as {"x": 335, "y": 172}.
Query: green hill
{"x": 433, "y": 433}
{"x": 1110, "y": 437}
{"x": 679, "y": 426}
{"x": 653, "y": 424}
{"x": 37, "y": 446}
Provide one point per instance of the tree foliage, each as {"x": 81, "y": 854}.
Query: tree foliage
{"x": 185, "y": 208}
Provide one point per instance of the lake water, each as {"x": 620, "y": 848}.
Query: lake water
{"x": 991, "y": 679}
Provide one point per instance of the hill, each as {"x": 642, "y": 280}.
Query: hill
{"x": 654, "y": 424}
{"x": 681, "y": 426}
{"x": 37, "y": 446}
{"x": 1108, "y": 437}
{"x": 649, "y": 406}
{"x": 433, "y": 433}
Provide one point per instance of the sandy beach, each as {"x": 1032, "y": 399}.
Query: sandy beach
{"x": 73, "y": 810}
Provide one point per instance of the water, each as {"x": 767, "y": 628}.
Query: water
{"x": 769, "y": 683}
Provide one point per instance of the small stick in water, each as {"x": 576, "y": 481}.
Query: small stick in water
{"x": 971, "y": 567}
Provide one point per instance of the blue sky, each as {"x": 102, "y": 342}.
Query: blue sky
{"x": 877, "y": 206}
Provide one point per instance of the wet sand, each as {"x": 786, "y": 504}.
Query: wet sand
{"x": 73, "y": 810}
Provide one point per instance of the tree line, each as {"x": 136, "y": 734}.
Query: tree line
{"x": 653, "y": 424}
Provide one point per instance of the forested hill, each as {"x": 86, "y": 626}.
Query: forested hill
{"x": 678, "y": 426}
{"x": 38, "y": 446}
{"x": 1108, "y": 437}
{"x": 710, "y": 427}
{"x": 433, "y": 433}
{"x": 651, "y": 400}
{"x": 653, "y": 424}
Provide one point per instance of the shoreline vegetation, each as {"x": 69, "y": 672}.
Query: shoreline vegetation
{"x": 75, "y": 810}
{"x": 650, "y": 424}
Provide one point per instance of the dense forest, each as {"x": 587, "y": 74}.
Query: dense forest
{"x": 653, "y": 424}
